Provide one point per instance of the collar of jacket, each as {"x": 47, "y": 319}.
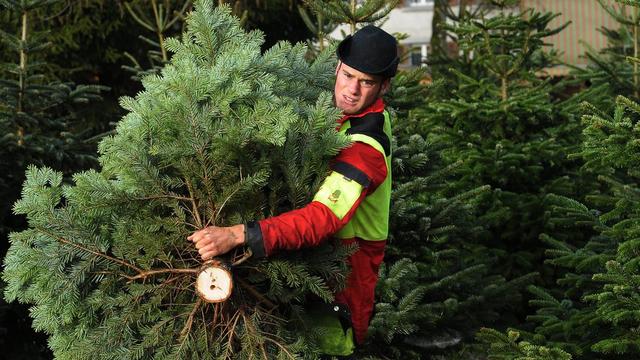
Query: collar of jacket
{"x": 377, "y": 106}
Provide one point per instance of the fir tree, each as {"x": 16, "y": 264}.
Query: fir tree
{"x": 42, "y": 121}
{"x": 591, "y": 314}
{"x": 437, "y": 288}
{"x": 223, "y": 135}
{"x": 159, "y": 18}
{"x": 507, "y": 347}
{"x": 594, "y": 312}
{"x": 501, "y": 119}
{"x": 445, "y": 53}
{"x": 610, "y": 148}
{"x": 319, "y": 27}
{"x": 507, "y": 127}
{"x": 577, "y": 249}
{"x": 40, "y": 118}
{"x": 609, "y": 73}
{"x": 352, "y": 12}
{"x": 434, "y": 280}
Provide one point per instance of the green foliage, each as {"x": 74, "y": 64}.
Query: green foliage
{"x": 505, "y": 128}
{"x": 352, "y": 12}
{"x": 615, "y": 300}
{"x": 40, "y": 119}
{"x": 224, "y": 134}
{"x": 318, "y": 26}
{"x": 507, "y": 347}
{"x": 503, "y": 122}
{"x": 596, "y": 249}
{"x": 159, "y": 19}
{"x": 634, "y": 3}
{"x": 609, "y": 72}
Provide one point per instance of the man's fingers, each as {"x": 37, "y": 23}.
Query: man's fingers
{"x": 197, "y": 236}
{"x": 213, "y": 241}
{"x": 210, "y": 247}
{"x": 208, "y": 252}
{"x": 199, "y": 244}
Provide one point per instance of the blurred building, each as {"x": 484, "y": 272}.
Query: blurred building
{"x": 414, "y": 18}
{"x": 586, "y": 17}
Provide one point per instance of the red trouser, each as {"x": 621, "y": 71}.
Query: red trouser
{"x": 359, "y": 294}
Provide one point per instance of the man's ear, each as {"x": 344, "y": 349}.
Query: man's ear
{"x": 338, "y": 67}
{"x": 386, "y": 84}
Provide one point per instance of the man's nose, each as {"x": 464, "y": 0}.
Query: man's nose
{"x": 354, "y": 87}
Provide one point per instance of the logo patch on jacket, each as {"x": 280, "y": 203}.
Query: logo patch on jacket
{"x": 335, "y": 196}
{"x": 338, "y": 193}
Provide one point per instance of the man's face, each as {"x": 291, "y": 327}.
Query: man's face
{"x": 355, "y": 90}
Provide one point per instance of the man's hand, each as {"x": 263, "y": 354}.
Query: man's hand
{"x": 213, "y": 240}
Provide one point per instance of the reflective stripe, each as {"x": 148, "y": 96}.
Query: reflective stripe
{"x": 351, "y": 172}
{"x": 367, "y": 140}
{"x": 338, "y": 193}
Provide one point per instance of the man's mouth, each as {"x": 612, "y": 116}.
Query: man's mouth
{"x": 350, "y": 101}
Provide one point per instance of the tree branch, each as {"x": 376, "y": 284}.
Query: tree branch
{"x": 187, "y": 326}
{"x": 147, "y": 273}
{"x": 255, "y": 293}
{"x": 86, "y": 249}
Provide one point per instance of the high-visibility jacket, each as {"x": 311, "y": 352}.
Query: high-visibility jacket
{"x": 371, "y": 220}
{"x": 352, "y": 204}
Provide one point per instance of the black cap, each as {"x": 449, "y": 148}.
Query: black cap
{"x": 370, "y": 50}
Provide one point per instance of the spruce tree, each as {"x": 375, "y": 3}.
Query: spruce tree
{"x": 352, "y": 12}
{"x": 39, "y": 117}
{"x": 591, "y": 238}
{"x": 510, "y": 347}
{"x": 596, "y": 313}
{"x": 609, "y": 73}
{"x": 160, "y": 19}
{"x": 224, "y": 134}
{"x": 502, "y": 120}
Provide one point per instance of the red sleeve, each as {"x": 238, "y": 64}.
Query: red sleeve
{"x": 310, "y": 225}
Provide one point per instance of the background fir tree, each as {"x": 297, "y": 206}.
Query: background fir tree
{"x": 502, "y": 120}
{"x": 162, "y": 20}
{"x": 593, "y": 317}
{"x": 608, "y": 72}
{"x": 42, "y": 121}
{"x": 38, "y": 116}
{"x": 224, "y": 135}
{"x": 590, "y": 241}
{"x": 319, "y": 27}
{"x": 352, "y": 12}
{"x": 445, "y": 52}
{"x": 508, "y": 347}
{"x": 511, "y": 131}
{"x": 577, "y": 249}
{"x": 436, "y": 288}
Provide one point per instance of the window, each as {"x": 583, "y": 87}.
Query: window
{"x": 419, "y": 54}
{"x": 419, "y": 2}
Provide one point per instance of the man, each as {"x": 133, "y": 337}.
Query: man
{"x": 353, "y": 202}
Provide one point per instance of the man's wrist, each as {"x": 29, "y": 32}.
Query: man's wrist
{"x": 239, "y": 234}
{"x": 253, "y": 238}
